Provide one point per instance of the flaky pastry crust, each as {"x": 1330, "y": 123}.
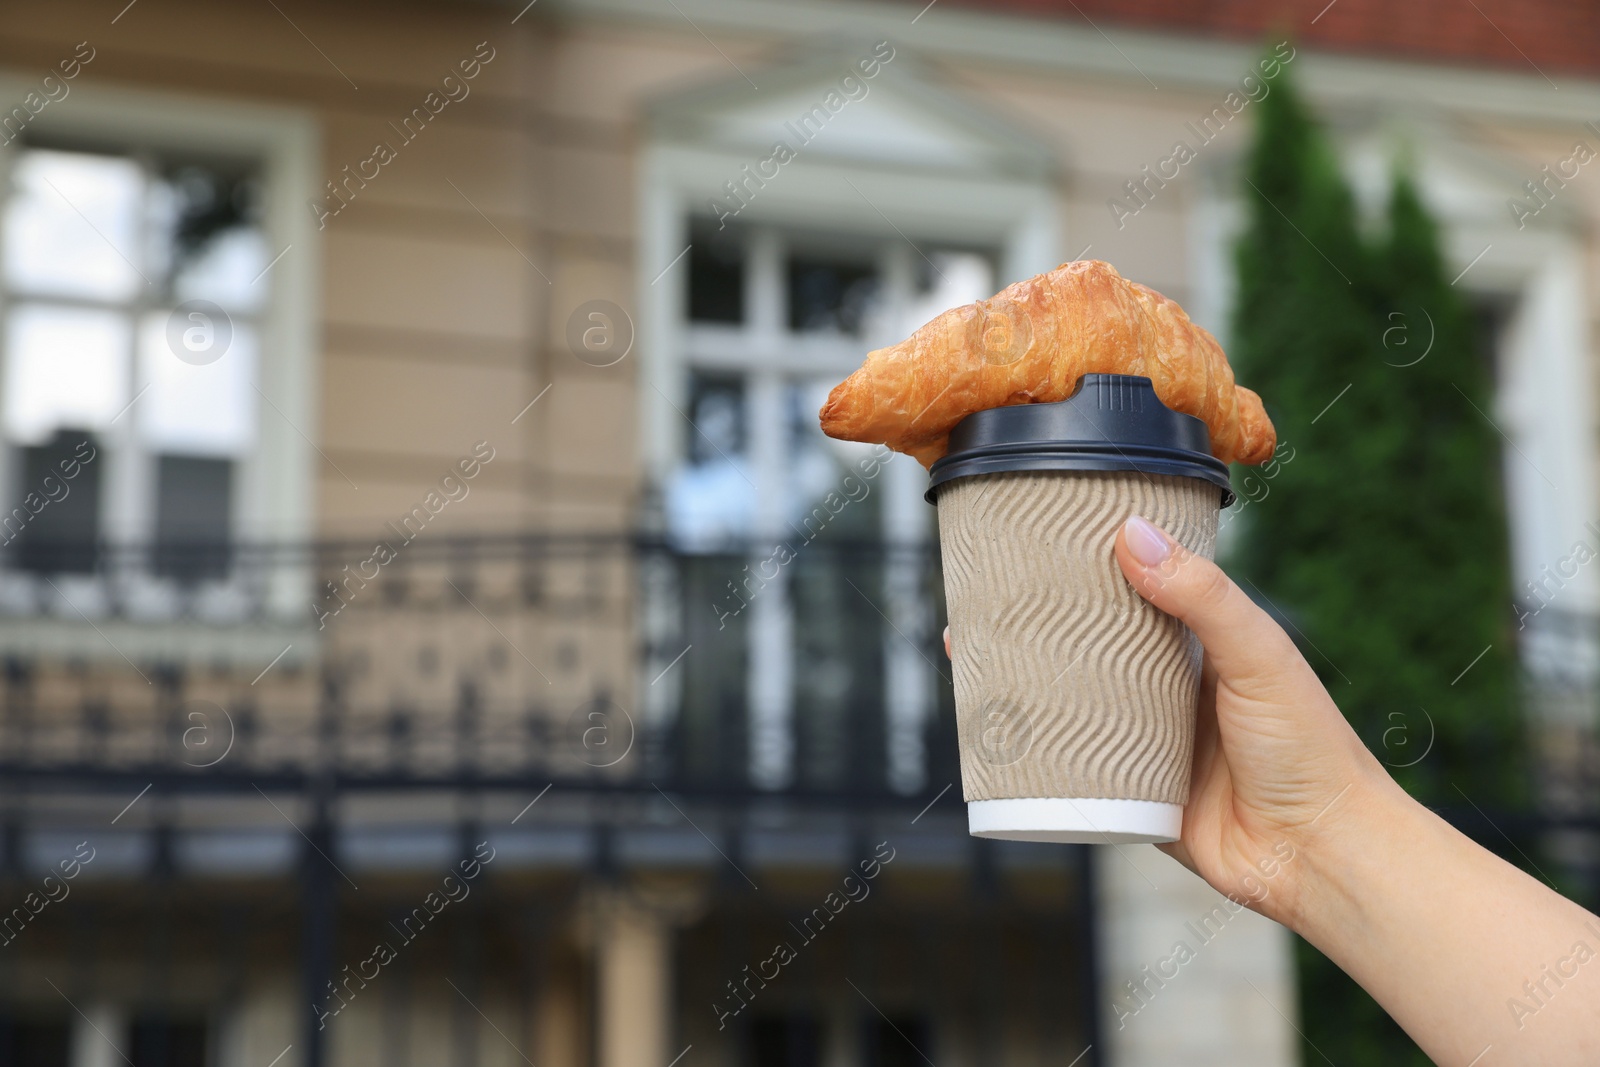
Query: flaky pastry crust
{"x": 1030, "y": 344}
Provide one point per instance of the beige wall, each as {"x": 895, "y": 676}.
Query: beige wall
{"x": 437, "y": 330}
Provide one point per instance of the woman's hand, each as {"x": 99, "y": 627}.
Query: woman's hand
{"x": 1275, "y": 762}
{"x": 1442, "y": 933}
{"x": 1289, "y": 813}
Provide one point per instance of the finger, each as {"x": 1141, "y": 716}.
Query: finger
{"x": 1241, "y": 641}
{"x": 947, "y": 642}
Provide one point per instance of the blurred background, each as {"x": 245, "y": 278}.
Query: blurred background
{"x": 434, "y": 629}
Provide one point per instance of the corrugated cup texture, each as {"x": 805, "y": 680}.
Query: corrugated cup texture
{"x": 1067, "y": 683}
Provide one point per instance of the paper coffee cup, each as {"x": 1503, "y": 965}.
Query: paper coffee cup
{"x": 1075, "y": 699}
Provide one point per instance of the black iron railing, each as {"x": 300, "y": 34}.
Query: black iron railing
{"x": 611, "y": 667}
{"x": 607, "y": 662}
{"x": 607, "y": 666}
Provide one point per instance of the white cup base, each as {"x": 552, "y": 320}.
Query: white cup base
{"x": 1076, "y": 820}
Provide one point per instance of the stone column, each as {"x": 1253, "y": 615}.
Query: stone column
{"x": 99, "y": 1036}
{"x": 262, "y": 1026}
{"x": 1188, "y": 976}
{"x": 561, "y": 1026}
{"x": 633, "y": 963}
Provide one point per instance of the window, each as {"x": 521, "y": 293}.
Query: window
{"x": 35, "y": 1043}
{"x": 133, "y": 285}
{"x": 785, "y": 1041}
{"x": 774, "y": 318}
{"x": 905, "y": 1041}
{"x": 192, "y": 524}
{"x": 160, "y": 1041}
{"x": 831, "y": 294}
{"x": 716, "y": 276}
{"x": 60, "y": 538}
{"x": 825, "y": 668}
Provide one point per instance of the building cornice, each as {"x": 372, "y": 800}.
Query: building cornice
{"x": 1132, "y": 59}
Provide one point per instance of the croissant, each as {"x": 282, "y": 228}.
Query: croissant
{"x": 1029, "y": 345}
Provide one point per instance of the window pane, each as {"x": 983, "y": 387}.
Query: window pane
{"x": 35, "y": 1043}
{"x": 1491, "y": 315}
{"x": 71, "y": 219}
{"x": 194, "y": 500}
{"x": 64, "y": 367}
{"x": 716, "y": 275}
{"x": 906, "y": 1041}
{"x": 830, "y": 295}
{"x": 206, "y": 409}
{"x": 785, "y": 1041}
{"x": 160, "y": 1042}
{"x": 946, "y": 280}
{"x": 828, "y": 494}
{"x": 716, "y": 407}
{"x": 714, "y": 719}
{"x": 55, "y": 527}
{"x": 834, "y": 502}
{"x": 225, "y": 270}
{"x": 711, "y": 500}
{"x": 206, "y": 240}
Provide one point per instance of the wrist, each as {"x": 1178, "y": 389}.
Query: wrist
{"x": 1345, "y": 852}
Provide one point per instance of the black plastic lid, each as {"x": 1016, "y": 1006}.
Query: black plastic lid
{"x": 1111, "y": 422}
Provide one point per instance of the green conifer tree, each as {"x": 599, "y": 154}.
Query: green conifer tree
{"x": 1379, "y": 537}
{"x": 1443, "y": 514}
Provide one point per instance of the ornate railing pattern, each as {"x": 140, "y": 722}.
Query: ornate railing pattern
{"x": 604, "y": 660}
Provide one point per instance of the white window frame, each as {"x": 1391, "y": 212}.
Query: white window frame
{"x": 1015, "y": 215}
{"x": 276, "y": 480}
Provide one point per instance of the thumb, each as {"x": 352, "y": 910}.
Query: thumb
{"x": 1250, "y": 652}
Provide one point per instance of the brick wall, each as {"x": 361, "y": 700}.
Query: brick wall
{"x": 1553, "y": 36}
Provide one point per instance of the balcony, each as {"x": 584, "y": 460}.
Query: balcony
{"x": 597, "y": 663}
{"x": 590, "y": 709}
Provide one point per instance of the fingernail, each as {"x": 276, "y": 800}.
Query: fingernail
{"x": 1146, "y": 541}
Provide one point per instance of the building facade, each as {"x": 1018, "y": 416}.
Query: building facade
{"x": 435, "y": 628}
